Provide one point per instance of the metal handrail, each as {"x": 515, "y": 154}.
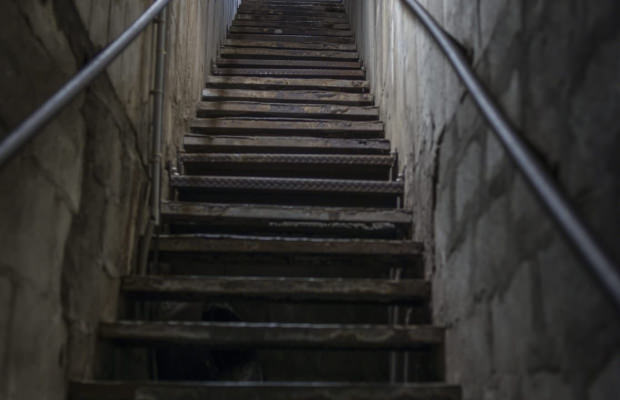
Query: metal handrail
{"x": 547, "y": 190}
{"x": 32, "y": 125}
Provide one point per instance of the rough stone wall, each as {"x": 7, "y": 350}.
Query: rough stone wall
{"x": 73, "y": 202}
{"x": 524, "y": 319}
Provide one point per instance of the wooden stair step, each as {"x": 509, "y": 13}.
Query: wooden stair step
{"x": 325, "y": 166}
{"x": 244, "y": 335}
{"x": 290, "y": 72}
{"x": 268, "y": 53}
{"x": 282, "y": 45}
{"x": 332, "y": 128}
{"x": 196, "y": 288}
{"x": 280, "y": 24}
{"x": 173, "y": 211}
{"x": 136, "y": 390}
{"x": 284, "y": 30}
{"x": 280, "y": 245}
{"x": 285, "y": 64}
{"x": 274, "y": 110}
{"x": 329, "y": 160}
{"x": 291, "y": 38}
{"x": 290, "y": 11}
{"x": 289, "y": 96}
{"x": 267, "y": 83}
{"x": 280, "y": 144}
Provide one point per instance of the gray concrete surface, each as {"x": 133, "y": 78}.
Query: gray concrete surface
{"x": 524, "y": 319}
{"x": 73, "y": 202}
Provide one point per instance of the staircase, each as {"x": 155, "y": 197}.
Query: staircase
{"x": 286, "y": 270}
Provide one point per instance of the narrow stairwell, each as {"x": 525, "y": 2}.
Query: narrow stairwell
{"x": 286, "y": 270}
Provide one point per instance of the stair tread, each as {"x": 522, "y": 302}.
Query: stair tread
{"x": 290, "y": 72}
{"x": 286, "y": 53}
{"x": 286, "y": 83}
{"x": 130, "y": 390}
{"x": 287, "y": 126}
{"x": 290, "y": 289}
{"x": 172, "y": 210}
{"x": 253, "y": 109}
{"x": 195, "y": 142}
{"x": 285, "y": 64}
{"x": 290, "y": 30}
{"x": 277, "y": 44}
{"x": 288, "y": 184}
{"x": 274, "y": 335}
{"x": 266, "y": 244}
{"x": 289, "y": 96}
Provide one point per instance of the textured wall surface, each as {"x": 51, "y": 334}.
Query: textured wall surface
{"x": 524, "y": 319}
{"x": 73, "y": 202}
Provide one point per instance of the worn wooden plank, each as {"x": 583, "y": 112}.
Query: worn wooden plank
{"x": 242, "y": 335}
{"x": 286, "y": 12}
{"x": 263, "y": 244}
{"x": 289, "y": 96}
{"x": 245, "y": 52}
{"x": 273, "y": 110}
{"x": 290, "y": 38}
{"x": 285, "y": 64}
{"x": 329, "y": 160}
{"x": 285, "y": 30}
{"x": 290, "y": 73}
{"x": 268, "y": 83}
{"x": 332, "y": 128}
{"x": 289, "y": 144}
{"x": 195, "y": 288}
{"x": 205, "y": 212}
{"x": 277, "y": 44}
{"x": 280, "y": 24}
{"x": 152, "y": 390}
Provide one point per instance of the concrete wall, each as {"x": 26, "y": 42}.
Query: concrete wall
{"x": 73, "y": 202}
{"x": 524, "y": 320}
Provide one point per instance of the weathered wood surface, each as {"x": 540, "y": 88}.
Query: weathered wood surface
{"x": 193, "y": 288}
{"x": 285, "y": 64}
{"x": 332, "y": 128}
{"x": 263, "y": 244}
{"x": 267, "y": 83}
{"x": 291, "y": 38}
{"x": 290, "y": 72}
{"x": 300, "y": 144}
{"x": 173, "y": 211}
{"x": 290, "y": 30}
{"x": 248, "y": 52}
{"x": 238, "y": 335}
{"x": 277, "y": 44}
{"x": 280, "y": 24}
{"x": 289, "y": 96}
{"x": 137, "y": 390}
{"x": 253, "y": 109}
